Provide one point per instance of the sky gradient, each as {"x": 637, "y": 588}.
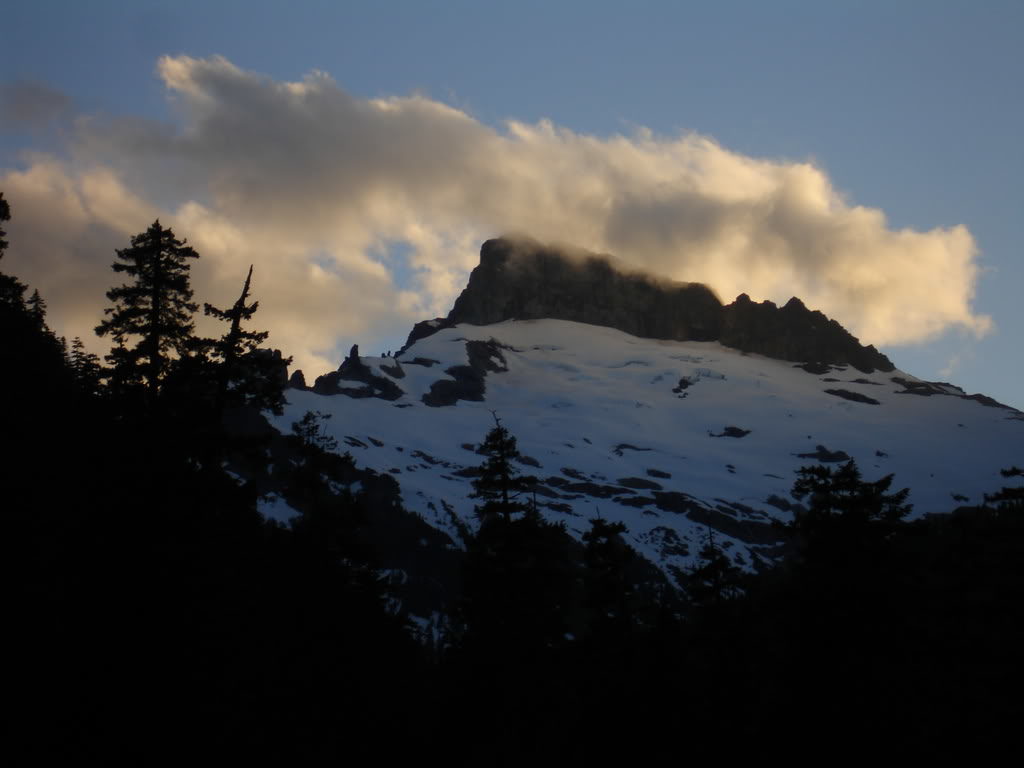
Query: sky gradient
{"x": 864, "y": 156}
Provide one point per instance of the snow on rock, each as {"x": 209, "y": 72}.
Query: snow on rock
{"x": 611, "y": 429}
{"x": 273, "y": 507}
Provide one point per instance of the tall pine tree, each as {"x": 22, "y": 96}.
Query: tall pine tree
{"x": 246, "y": 375}
{"x": 5, "y": 215}
{"x": 156, "y": 308}
{"x": 85, "y": 368}
{"x": 840, "y": 501}
{"x": 499, "y": 484}
{"x": 12, "y": 290}
{"x": 1011, "y": 497}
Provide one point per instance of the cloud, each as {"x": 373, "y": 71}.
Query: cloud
{"x": 951, "y": 366}
{"x": 367, "y": 214}
{"x": 62, "y": 233}
{"x": 27, "y": 104}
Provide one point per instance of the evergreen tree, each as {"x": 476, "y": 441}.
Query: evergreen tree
{"x": 312, "y": 440}
{"x": 1009, "y": 497}
{"x": 844, "y": 508}
{"x": 37, "y": 309}
{"x": 714, "y": 578}
{"x": 318, "y": 484}
{"x": 85, "y": 367}
{"x": 156, "y": 307}
{"x": 499, "y": 484}
{"x": 312, "y": 470}
{"x": 246, "y": 375}
{"x": 25, "y": 339}
{"x": 847, "y": 539}
{"x": 12, "y": 290}
{"x": 606, "y": 557}
{"x": 5, "y": 215}
{"x": 520, "y": 574}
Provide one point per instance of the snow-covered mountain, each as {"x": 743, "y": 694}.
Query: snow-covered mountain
{"x": 670, "y": 437}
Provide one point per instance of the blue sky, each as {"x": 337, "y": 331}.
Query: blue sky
{"x": 912, "y": 109}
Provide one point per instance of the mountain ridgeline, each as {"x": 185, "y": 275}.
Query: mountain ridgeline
{"x": 521, "y": 279}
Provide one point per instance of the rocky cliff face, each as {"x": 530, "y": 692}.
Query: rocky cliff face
{"x": 525, "y": 280}
{"x": 794, "y": 332}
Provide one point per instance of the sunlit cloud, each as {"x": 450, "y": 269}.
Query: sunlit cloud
{"x": 317, "y": 188}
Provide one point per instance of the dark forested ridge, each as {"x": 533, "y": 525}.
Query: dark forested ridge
{"x": 156, "y": 614}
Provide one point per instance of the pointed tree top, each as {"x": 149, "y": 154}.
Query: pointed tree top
{"x": 5, "y": 215}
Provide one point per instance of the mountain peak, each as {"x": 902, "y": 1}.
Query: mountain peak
{"x": 523, "y": 279}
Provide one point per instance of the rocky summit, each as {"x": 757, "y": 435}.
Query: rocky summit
{"x": 522, "y": 279}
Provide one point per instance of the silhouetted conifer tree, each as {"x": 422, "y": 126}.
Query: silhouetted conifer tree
{"x": 36, "y": 309}
{"x": 714, "y": 578}
{"x": 246, "y": 375}
{"x": 12, "y": 290}
{"x": 520, "y": 574}
{"x": 499, "y": 483}
{"x": 311, "y": 436}
{"x": 844, "y": 509}
{"x": 607, "y": 558}
{"x": 5, "y": 215}
{"x": 156, "y": 308}
{"x": 308, "y": 485}
{"x": 25, "y": 339}
{"x": 1009, "y": 498}
{"x": 85, "y": 367}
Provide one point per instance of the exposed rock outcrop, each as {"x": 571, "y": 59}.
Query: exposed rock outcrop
{"x": 468, "y": 382}
{"x": 794, "y": 332}
{"x": 353, "y": 369}
{"x": 524, "y": 280}
{"x": 928, "y": 388}
{"x": 421, "y": 330}
{"x": 855, "y": 397}
{"x": 274, "y": 362}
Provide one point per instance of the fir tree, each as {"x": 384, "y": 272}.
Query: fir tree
{"x": 714, "y": 578}
{"x": 849, "y": 524}
{"x": 499, "y": 484}
{"x": 840, "y": 500}
{"x": 85, "y": 367}
{"x": 156, "y": 308}
{"x": 5, "y": 215}
{"x": 313, "y": 441}
{"x": 37, "y": 309}
{"x": 24, "y": 335}
{"x": 1009, "y": 497}
{"x": 519, "y": 572}
{"x": 606, "y": 556}
{"x": 245, "y": 375}
{"x": 614, "y": 603}
{"x": 12, "y": 290}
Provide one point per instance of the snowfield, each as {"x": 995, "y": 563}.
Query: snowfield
{"x": 668, "y": 437}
